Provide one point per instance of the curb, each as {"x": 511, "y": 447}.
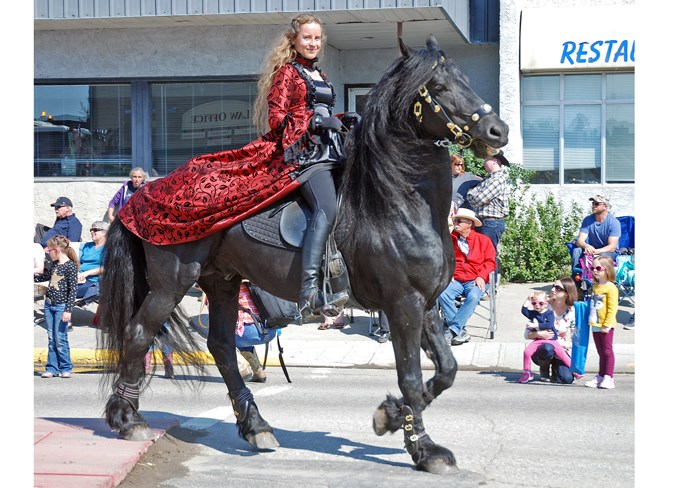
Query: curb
{"x": 346, "y": 354}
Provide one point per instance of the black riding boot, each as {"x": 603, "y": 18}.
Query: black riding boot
{"x": 311, "y": 259}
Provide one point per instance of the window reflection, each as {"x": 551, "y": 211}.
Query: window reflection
{"x": 82, "y": 130}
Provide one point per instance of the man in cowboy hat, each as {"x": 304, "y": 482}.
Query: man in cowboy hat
{"x": 475, "y": 260}
{"x": 599, "y": 232}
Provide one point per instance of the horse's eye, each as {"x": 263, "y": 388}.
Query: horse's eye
{"x": 440, "y": 88}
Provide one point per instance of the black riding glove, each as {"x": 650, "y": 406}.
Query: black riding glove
{"x": 318, "y": 123}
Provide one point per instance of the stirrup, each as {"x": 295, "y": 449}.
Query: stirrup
{"x": 334, "y": 303}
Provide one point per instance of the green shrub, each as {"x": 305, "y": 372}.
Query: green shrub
{"x": 534, "y": 245}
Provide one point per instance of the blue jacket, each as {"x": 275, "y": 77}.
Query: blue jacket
{"x": 68, "y": 226}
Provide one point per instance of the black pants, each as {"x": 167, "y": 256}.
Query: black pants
{"x": 545, "y": 358}
{"x": 320, "y": 194}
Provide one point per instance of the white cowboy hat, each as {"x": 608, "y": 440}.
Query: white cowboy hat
{"x": 464, "y": 213}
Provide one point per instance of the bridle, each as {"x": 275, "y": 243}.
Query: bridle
{"x": 461, "y": 136}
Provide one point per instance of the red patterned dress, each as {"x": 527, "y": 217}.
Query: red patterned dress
{"x": 211, "y": 192}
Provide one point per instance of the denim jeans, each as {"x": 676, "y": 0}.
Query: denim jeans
{"x": 59, "y": 352}
{"x": 456, "y": 317}
{"x": 88, "y": 291}
{"x": 252, "y": 337}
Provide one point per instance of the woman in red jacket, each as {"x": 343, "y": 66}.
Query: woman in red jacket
{"x": 214, "y": 191}
{"x": 475, "y": 259}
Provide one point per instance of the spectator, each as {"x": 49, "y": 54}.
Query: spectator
{"x": 338, "y": 322}
{"x": 603, "y": 309}
{"x": 59, "y": 299}
{"x": 489, "y": 199}
{"x": 541, "y": 319}
{"x": 91, "y": 264}
{"x": 66, "y": 224}
{"x": 137, "y": 180}
{"x": 382, "y": 334}
{"x": 249, "y": 332}
{"x": 475, "y": 259}
{"x": 562, "y": 298}
{"x": 599, "y": 232}
{"x": 38, "y": 258}
{"x": 461, "y": 181}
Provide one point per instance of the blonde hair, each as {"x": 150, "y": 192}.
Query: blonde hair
{"x": 280, "y": 54}
{"x": 63, "y": 244}
{"x": 540, "y": 293}
{"x": 608, "y": 264}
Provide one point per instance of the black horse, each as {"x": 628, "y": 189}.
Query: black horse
{"x": 396, "y": 196}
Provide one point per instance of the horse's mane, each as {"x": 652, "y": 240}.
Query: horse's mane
{"x": 384, "y": 151}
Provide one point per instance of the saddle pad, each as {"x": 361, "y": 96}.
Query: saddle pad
{"x": 265, "y": 227}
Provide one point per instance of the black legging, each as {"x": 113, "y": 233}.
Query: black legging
{"x": 545, "y": 358}
{"x": 320, "y": 193}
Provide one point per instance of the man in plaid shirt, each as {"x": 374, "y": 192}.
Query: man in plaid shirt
{"x": 489, "y": 198}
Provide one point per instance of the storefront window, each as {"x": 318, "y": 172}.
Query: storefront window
{"x": 82, "y": 130}
{"x": 579, "y": 128}
{"x": 190, "y": 119}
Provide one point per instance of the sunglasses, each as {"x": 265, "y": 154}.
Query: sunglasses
{"x": 594, "y": 204}
{"x": 557, "y": 288}
{"x": 598, "y": 268}
{"x": 538, "y": 303}
{"x": 95, "y": 230}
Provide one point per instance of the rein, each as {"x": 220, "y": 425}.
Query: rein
{"x": 460, "y": 135}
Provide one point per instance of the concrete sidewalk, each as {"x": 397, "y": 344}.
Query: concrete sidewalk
{"x": 352, "y": 346}
{"x": 88, "y": 454}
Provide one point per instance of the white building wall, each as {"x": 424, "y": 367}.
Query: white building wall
{"x": 622, "y": 195}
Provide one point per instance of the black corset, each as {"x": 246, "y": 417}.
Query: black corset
{"x": 323, "y": 93}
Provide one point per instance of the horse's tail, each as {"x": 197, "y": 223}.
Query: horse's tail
{"x": 122, "y": 290}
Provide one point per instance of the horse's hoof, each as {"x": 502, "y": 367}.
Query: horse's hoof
{"x": 438, "y": 460}
{"x": 139, "y": 433}
{"x": 263, "y": 441}
{"x": 380, "y": 421}
{"x": 438, "y": 467}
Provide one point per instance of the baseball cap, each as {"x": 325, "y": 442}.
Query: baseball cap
{"x": 62, "y": 202}
{"x": 600, "y": 199}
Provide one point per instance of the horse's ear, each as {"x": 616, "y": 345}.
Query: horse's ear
{"x": 431, "y": 43}
{"x": 404, "y": 49}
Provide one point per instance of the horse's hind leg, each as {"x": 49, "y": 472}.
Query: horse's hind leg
{"x": 223, "y": 311}
{"x": 122, "y": 408}
{"x": 406, "y": 412}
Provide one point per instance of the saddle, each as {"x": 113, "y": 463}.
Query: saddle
{"x": 283, "y": 225}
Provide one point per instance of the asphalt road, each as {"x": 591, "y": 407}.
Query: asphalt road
{"x": 502, "y": 433}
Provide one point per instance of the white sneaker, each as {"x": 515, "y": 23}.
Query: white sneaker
{"x": 607, "y": 383}
{"x": 594, "y": 383}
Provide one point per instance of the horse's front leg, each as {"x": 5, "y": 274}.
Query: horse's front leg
{"x": 406, "y": 328}
{"x": 223, "y": 312}
{"x": 122, "y": 408}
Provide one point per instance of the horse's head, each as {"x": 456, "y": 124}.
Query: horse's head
{"x": 445, "y": 107}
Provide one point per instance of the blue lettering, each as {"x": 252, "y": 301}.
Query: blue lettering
{"x": 622, "y": 52}
{"x": 569, "y": 48}
{"x": 581, "y": 52}
{"x": 608, "y": 52}
{"x": 595, "y": 51}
